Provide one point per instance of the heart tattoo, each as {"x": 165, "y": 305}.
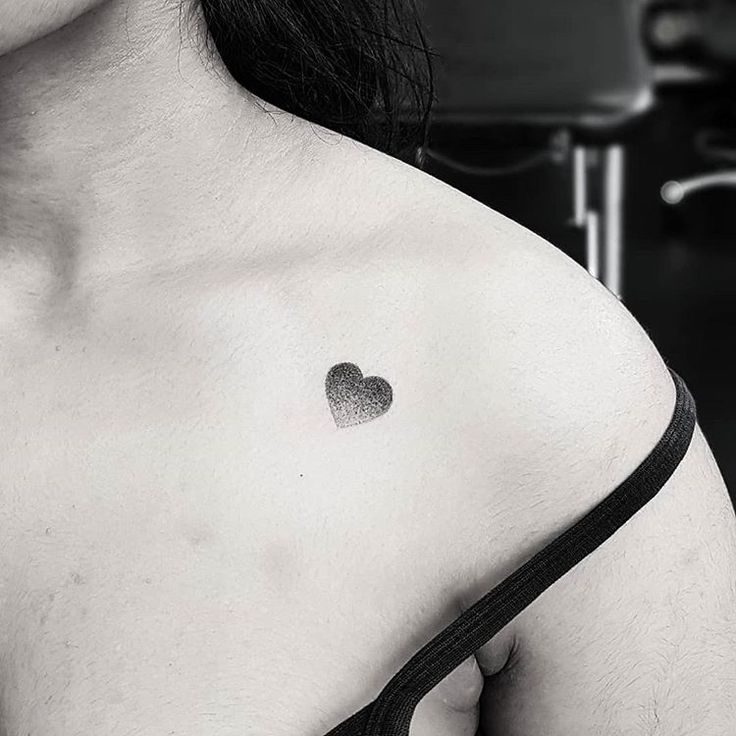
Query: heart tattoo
{"x": 354, "y": 399}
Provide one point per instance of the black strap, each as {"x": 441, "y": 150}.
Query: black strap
{"x": 391, "y": 712}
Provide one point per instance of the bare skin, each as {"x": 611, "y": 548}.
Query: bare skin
{"x": 191, "y": 542}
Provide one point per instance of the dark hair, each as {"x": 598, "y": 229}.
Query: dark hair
{"x": 359, "y": 67}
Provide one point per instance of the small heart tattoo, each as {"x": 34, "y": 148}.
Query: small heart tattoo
{"x": 354, "y": 399}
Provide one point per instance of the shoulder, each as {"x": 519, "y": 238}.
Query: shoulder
{"x": 519, "y": 370}
{"x": 529, "y": 373}
{"x": 552, "y": 395}
{"x": 501, "y": 343}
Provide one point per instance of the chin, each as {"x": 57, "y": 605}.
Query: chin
{"x": 23, "y": 22}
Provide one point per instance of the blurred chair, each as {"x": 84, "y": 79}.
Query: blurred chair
{"x": 567, "y": 65}
{"x": 713, "y": 32}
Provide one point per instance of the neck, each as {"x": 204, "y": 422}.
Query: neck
{"x": 125, "y": 147}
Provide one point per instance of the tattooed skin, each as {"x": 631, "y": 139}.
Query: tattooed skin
{"x": 354, "y": 399}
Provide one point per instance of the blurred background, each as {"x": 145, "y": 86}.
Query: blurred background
{"x": 609, "y": 128}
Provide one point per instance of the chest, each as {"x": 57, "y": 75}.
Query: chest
{"x": 172, "y": 564}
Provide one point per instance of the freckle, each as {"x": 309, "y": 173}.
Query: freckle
{"x": 77, "y": 579}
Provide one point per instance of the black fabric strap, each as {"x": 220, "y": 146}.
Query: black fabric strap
{"x": 391, "y": 712}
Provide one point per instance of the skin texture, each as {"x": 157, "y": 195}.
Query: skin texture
{"x": 21, "y": 23}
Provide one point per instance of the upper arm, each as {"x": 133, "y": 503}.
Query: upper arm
{"x": 639, "y": 637}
